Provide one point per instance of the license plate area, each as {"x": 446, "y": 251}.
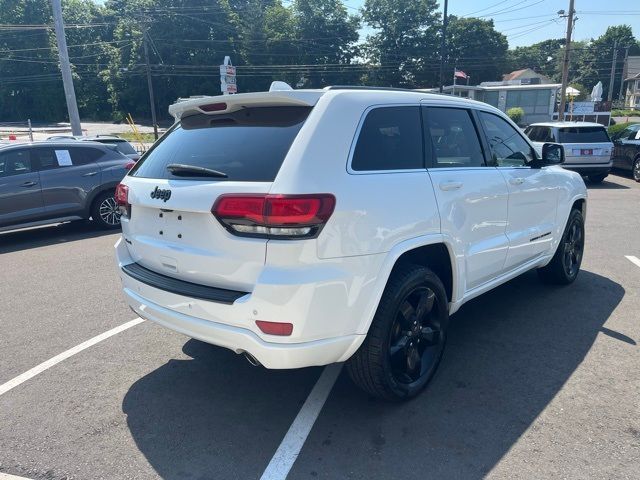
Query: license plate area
{"x": 586, "y": 151}
{"x": 171, "y": 225}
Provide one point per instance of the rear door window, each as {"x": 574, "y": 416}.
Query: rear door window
{"x": 247, "y": 145}
{"x": 451, "y": 138}
{"x": 390, "y": 139}
{"x": 583, "y": 135}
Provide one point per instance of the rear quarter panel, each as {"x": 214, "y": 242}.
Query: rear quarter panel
{"x": 374, "y": 211}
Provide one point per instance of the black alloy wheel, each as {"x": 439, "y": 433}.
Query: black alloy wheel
{"x": 416, "y": 341}
{"x": 406, "y": 339}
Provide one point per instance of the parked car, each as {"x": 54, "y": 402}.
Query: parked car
{"x": 118, "y": 143}
{"x": 308, "y": 227}
{"x": 626, "y": 150}
{"x": 50, "y": 182}
{"x": 587, "y": 146}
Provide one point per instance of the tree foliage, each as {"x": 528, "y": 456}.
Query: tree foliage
{"x": 307, "y": 43}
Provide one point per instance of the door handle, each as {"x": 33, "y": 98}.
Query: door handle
{"x": 516, "y": 181}
{"x": 89, "y": 174}
{"x": 28, "y": 184}
{"x": 450, "y": 185}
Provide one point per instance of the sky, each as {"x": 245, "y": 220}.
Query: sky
{"x": 525, "y": 22}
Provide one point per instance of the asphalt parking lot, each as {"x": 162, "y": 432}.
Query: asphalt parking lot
{"x": 537, "y": 381}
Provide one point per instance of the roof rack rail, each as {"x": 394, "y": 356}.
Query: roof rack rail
{"x": 364, "y": 87}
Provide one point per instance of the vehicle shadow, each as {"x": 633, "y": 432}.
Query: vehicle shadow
{"x": 609, "y": 183}
{"x": 214, "y": 416}
{"x": 510, "y": 352}
{"x": 17, "y": 240}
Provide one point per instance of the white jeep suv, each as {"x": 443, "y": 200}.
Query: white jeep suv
{"x": 305, "y": 227}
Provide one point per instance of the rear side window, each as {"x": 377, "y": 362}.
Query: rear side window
{"x": 390, "y": 139}
{"x": 583, "y": 135}
{"x": 540, "y": 134}
{"x": 454, "y": 140}
{"x": 84, "y": 155}
{"x": 14, "y": 162}
{"x": 247, "y": 145}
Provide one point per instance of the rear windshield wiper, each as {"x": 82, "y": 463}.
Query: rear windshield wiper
{"x": 181, "y": 170}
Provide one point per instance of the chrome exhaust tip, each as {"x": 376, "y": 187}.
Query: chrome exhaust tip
{"x": 251, "y": 359}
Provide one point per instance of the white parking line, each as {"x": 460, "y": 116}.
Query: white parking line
{"x": 292, "y": 443}
{"x": 633, "y": 259}
{"x": 5, "y": 387}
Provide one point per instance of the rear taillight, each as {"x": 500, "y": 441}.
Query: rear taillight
{"x": 274, "y": 216}
{"x": 122, "y": 199}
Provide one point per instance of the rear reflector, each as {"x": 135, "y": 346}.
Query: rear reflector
{"x": 213, "y": 107}
{"x": 275, "y": 328}
{"x": 274, "y": 216}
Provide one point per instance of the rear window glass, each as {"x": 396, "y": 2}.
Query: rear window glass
{"x": 122, "y": 147}
{"x": 247, "y": 145}
{"x": 390, "y": 139}
{"x": 583, "y": 135}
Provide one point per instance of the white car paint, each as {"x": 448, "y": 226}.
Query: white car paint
{"x": 329, "y": 287}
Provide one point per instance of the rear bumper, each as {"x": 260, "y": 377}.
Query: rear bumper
{"x": 324, "y": 304}
{"x": 271, "y": 355}
{"x": 589, "y": 168}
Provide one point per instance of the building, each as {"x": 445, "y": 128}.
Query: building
{"x": 537, "y": 100}
{"x": 526, "y": 76}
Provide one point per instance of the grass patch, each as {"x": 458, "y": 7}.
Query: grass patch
{"x": 130, "y": 137}
{"x": 625, "y": 113}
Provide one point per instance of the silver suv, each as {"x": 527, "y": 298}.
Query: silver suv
{"x": 48, "y": 182}
{"x": 587, "y": 146}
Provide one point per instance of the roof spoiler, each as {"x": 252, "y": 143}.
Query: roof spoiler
{"x": 277, "y": 96}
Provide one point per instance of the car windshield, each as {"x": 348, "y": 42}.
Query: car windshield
{"x": 246, "y": 145}
{"x": 583, "y": 135}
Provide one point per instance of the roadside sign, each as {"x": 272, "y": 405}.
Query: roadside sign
{"x": 228, "y": 77}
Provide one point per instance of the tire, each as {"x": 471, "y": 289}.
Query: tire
{"x": 597, "y": 178}
{"x": 565, "y": 264}
{"x": 412, "y": 317}
{"x": 635, "y": 170}
{"x": 104, "y": 211}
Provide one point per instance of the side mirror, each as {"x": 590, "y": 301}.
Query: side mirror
{"x": 552, "y": 154}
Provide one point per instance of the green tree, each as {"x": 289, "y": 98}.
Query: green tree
{"x": 474, "y": 46}
{"x": 543, "y": 57}
{"x": 594, "y": 64}
{"x": 326, "y": 35}
{"x": 405, "y": 42}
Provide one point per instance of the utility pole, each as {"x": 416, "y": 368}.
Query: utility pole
{"x": 624, "y": 72}
{"x": 612, "y": 78}
{"x": 150, "y": 86}
{"x": 443, "y": 44}
{"x": 65, "y": 69}
{"x": 565, "y": 61}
